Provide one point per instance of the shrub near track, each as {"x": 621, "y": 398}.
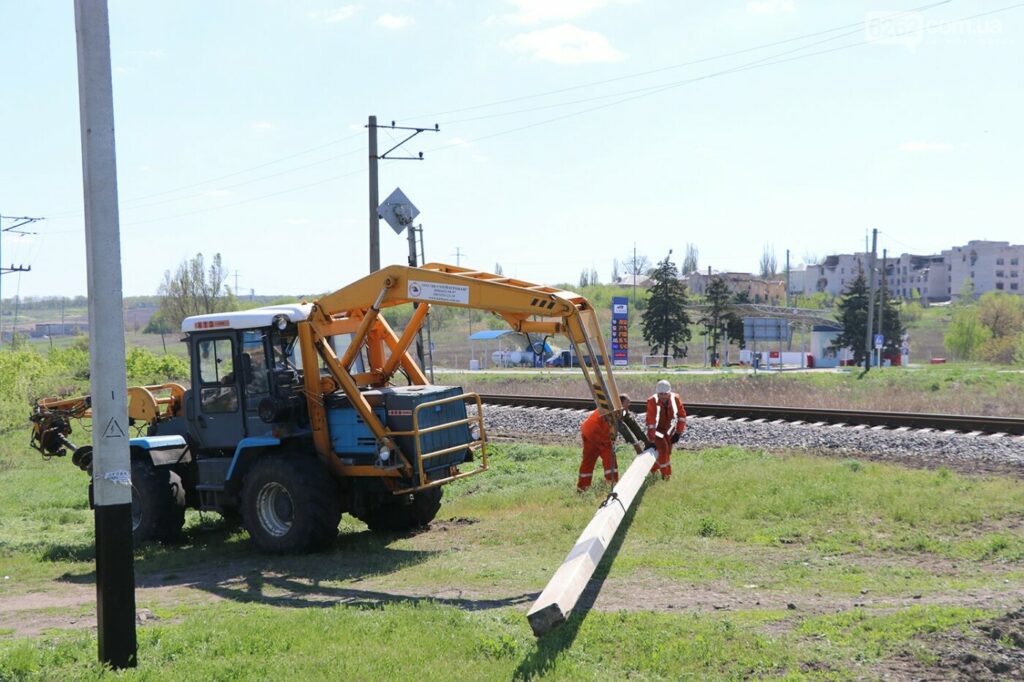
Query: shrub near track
{"x": 753, "y": 531}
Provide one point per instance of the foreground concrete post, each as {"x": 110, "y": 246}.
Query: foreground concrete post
{"x": 559, "y": 597}
{"x": 112, "y": 493}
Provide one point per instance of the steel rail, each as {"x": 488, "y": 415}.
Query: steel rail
{"x": 892, "y": 420}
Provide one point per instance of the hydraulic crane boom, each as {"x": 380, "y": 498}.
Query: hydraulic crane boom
{"x": 355, "y": 309}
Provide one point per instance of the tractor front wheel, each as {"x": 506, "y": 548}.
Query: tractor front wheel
{"x": 158, "y": 503}
{"x": 290, "y": 504}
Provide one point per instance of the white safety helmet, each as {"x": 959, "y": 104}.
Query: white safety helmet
{"x": 663, "y": 387}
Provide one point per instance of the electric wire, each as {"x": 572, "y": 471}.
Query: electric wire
{"x": 693, "y": 62}
{"x": 624, "y": 97}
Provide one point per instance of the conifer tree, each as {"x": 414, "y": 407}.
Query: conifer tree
{"x": 666, "y": 326}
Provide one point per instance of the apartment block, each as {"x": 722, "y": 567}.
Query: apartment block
{"x": 991, "y": 266}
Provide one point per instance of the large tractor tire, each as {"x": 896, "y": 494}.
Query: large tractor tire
{"x": 290, "y": 504}
{"x": 158, "y": 503}
{"x": 396, "y": 517}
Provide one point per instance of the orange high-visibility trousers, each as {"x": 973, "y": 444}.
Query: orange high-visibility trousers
{"x": 591, "y": 451}
{"x": 663, "y": 446}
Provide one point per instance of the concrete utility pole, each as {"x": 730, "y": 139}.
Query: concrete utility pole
{"x": 881, "y": 305}
{"x": 11, "y": 229}
{"x": 112, "y": 493}
{"x": 869, "y": 349}
{"x": 787, "y": 278}
{"x": 371, "y": 128}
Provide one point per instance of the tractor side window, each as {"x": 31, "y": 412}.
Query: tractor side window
{"x": 255, "y": 370}
{"x": 218, "y": 390}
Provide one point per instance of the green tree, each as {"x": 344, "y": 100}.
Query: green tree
{"x": 966, "y": 294}
{"x": 195, "y": 289}
{"x": 853, "y": 316}
{"x": 966, "y": 334}
{"x": 717, "y": 315}
{"x": 893, "y": 328}
{"x": 666, "y": 326}
{"x": 1018, "y": 355}
{"x": 1002, "y": 313}
{"x": 734, "y": 323}
{"x": 690, "y": 260}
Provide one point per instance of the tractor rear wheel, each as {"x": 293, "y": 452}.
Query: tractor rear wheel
{"x": 290, "y": 504}
{"x": 158, "y": 503}
{"x": 402, "y": 517}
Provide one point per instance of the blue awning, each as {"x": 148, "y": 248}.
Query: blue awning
{"x": 488, "y": 334}
{"x": 491, "y": 334}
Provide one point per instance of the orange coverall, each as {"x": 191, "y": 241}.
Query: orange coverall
{"x": 597, "y": 442}
{"x": 664, "y": 418}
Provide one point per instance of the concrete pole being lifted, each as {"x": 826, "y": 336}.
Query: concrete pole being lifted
{"x": 556, "y": 602}
{"x": 111, "y": 469}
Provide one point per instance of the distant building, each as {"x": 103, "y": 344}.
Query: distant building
{"x": 917, "y": 277}
{"x": 759, "y": 290}
{"x": 991, "y": 266}
{"x": 797, "y": 278}
{"x": 835, "y": 274}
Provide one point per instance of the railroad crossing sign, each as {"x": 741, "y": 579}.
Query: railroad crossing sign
{"x": 398, "y": 211}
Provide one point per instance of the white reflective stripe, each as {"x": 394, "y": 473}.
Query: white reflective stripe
{"x": 612, "y": 471}
{"x": 659, "y": 434}
{"x": 586, "y": 475}
{"x": 664, "y": 466}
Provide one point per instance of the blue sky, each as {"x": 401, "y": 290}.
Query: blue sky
{"x": 240, "y": 131}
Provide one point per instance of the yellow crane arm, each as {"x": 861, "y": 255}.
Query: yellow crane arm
{"x": 356, "y": 309}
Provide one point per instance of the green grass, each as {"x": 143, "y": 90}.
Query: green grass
{"x": 817, "y": 532}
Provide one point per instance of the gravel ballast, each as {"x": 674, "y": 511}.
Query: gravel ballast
{"x": 980, "y": 454}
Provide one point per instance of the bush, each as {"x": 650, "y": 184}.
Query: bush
{"x": 27, "y": 375}
{"x": 1000, "y": 350}
{"x": 966, "y": 334}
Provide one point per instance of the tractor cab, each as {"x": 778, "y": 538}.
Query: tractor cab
{"x": 246, "y": 373}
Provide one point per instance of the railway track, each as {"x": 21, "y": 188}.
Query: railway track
{"x": 970, "y": 424}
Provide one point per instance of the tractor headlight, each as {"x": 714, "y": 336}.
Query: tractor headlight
{"x": 281, "y": 322}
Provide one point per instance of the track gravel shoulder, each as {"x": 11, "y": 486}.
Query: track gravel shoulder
{"x": 960, "y": 452}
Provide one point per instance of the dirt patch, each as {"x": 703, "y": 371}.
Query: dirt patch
{"x": 992, "y": 650}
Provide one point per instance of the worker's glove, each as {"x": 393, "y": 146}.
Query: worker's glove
{"x": 675, "y": 437}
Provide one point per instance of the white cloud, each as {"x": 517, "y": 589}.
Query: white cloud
{"x": 262, "y": 126}
{"x": 393, "y": 22}
{"x": 296, "y": 221}
{"x": 530, "y": 12}
{"x": 923, "y": 146}
{"x": 770, "y": 6}
{"x": 564, "y": 44}
{"x": 341, "y": 14}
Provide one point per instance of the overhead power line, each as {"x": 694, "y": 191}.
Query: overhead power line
{"x": 764, "y": 62}
{"x": 671, "y": 67}
{"x": 623, "y": 97}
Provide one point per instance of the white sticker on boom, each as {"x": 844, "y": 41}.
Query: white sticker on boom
{"x": 119, "y": 477}
{"x": 443, "y": 293}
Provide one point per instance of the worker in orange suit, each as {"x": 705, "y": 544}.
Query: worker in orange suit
{"x": 598, "y": 437}
{"x": 666, "y": 421}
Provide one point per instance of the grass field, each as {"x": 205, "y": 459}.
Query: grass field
{"x": 746, "y": 564}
